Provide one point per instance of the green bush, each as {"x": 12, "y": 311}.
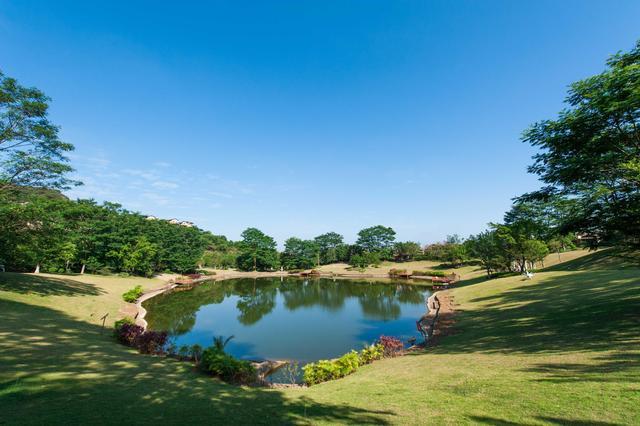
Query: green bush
{"x": 325, "y": 370}
{"x": 397, "y": 272}
{"x": 132, "y": 295}
{"x": 348, "y": 363}
{"x": 429, "y": 273}
{"x": 126, "y": 320}
{"x": 371, "y": 353}
{"x": 216, "y": 362}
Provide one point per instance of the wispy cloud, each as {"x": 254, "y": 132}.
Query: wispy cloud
{"x": 164, "y": 184}
{"x": 219, "y": 194}
{"x": 156, "y": 198}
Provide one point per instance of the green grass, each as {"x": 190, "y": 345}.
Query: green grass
{"x": 563, "y": 348}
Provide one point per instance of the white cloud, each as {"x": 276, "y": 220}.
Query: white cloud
{"x": 164, "y": 184}
{"x": 156, "y": 198}
{"x": 219, "y": 194}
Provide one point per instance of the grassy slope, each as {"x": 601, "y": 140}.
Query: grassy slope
{"x": 561, "y": 348}
{"x": 425, "y": 265}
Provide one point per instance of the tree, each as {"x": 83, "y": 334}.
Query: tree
{"x": 139, "y": 257}
{"x": 534, "y": 251}
{"x": 68, "y": 251}
{"x": 456, "y": 254}
{"x": 365, "y": 259}
{"x": 486, "y": 248}
{"x": 591, "y": 152}
{"x": 299, "y": 254}
{"x": 376, "y": 239}
{"x": 257, "y": 251}
{"x": 405, "y": 251}
{"x": 329, "y": 247}
{"x": 31, "y": 153}
{"x": 561, "y": 243}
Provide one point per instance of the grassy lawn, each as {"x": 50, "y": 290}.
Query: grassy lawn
{"x": 563, "y": 348}
{"x": 465, "y": 272}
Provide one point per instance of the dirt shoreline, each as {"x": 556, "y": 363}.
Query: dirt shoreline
{"x": 446, "y": 318}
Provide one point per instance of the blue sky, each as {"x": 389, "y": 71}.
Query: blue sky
{"x": 303, "y": 117}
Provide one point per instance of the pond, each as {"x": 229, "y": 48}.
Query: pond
{"x": 290, "y": 318}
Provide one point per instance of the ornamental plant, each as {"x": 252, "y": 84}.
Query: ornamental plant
{"x": 371, "y": 353}
{"x": 226, "y": 367}
{"x": 132, "y": 295}
{"x": 325, "y": 370}
{"x": 120, "y": 322}
{"x": 392, "y": 346}
{"x": 429, "y": 273}
{"x": 151, "y": 342}
{"x": 128, "y": 334}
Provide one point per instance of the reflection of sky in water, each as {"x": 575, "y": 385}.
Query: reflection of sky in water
{"x": 304, "y": 324}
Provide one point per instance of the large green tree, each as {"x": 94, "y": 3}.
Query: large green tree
{"x": 331, "y": 248}
{"x": 591, "y": 151}
{"x": 299, "y": 254}
{"x": 377, "y": 239}
{"x": 31, "y": 153}
{"x": 257, "y": 251}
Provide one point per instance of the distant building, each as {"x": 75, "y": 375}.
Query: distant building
{"x": 187, "y": 224}
{"x": 174, "y": 221}
{"x": 151, "y": 218}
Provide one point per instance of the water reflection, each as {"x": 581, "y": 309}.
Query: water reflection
{"x": 276, "y": 317}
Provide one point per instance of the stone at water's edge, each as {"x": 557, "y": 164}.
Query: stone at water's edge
{"x": 266, "y": 368}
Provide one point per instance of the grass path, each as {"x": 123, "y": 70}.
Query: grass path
{"x": 563, "y": 348}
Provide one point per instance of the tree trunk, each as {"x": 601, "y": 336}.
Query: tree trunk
{"x": 37, "y": 271}
{"x": 82, "y": 270}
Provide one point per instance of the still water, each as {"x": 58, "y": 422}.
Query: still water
{"x": 290, "y": 318}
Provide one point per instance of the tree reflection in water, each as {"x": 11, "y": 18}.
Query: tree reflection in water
{"x": 307, "y": 308}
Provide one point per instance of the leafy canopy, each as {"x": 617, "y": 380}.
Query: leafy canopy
{"x": 591, "y": 151}
{"x": 31, "y": 153}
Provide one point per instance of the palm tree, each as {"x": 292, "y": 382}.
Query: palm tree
{"x": 219, "y": 342}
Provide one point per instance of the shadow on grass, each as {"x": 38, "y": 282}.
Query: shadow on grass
{"x": 600, "y": 371}
{"x": 594, "y": 310}
{"x": 46, "y": 286}
{"x": 54, "y": 369}
{"x": 610, "y": 258}
{"x": 553, "y": 420}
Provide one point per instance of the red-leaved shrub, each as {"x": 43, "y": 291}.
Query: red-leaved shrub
{"x": 151, "y": 342}
{"x": 128, "y": 334}
{"x": 392, "y": 346}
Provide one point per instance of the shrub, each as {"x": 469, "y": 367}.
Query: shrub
{"x": 347, "y": 363}
{"x": 151, "y": 342}
{"x": 318, "y": 372}
{"x": 119, "y": 323}
{"x": 392, "y": 346}
{"x": 196, "y": 352}
{"x": 397, "y": 272}
{"x": 429, "y": 273}
{"x": 371, "y": 353}
{"x": 132, "y": 295}
{"x": 325, "y": 370}
{"x": 184, "y": 351}
{"x": 226, "y": 367}
{"x": 172, "y": 349}
{"x": 127, "y": 334}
